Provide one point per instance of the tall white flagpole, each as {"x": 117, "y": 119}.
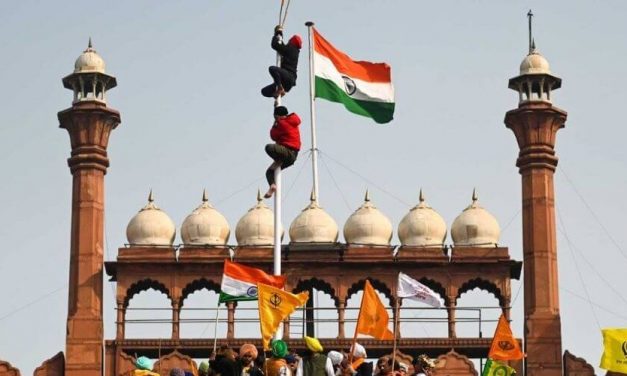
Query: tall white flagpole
{"x": 277, "y": 234}
{"x": 312, "y": 112}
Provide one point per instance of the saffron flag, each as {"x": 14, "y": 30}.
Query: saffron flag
{"x": 274, "y": 306}
{"x": 504, "y": 345}
{"x": 494, "y": 368}
{"x": 239, "y": 282}
{"x": 364, "y": 88}
{"x": 373, "y": 318}
{"x": 409, "y": 288}
{"x": 614, "y": 350}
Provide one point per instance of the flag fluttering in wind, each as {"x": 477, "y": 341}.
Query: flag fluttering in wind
{"x": 239, "y": 282}
{"x": 364, "y": 88}
{"x": 494, "y": 368}
{"x": 614, "y": 350}
{"x": 274, "y": 306}
{"x": 504, "y": 345}
{"x": 409, "y": 288}
{"x": 373, "y": 318}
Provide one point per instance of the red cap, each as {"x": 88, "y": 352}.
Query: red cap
{"x": 296, "y": 41}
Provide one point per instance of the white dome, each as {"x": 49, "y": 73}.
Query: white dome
{"x": 151, "y": 226}
{"x": 534, "y": 63}
{"x": 256, "y": 227}
{"x": 368, "y": 226}
{"x": 475, "y": 227}
{"x": 89, "y": 61}
{"x": 313, "y": 225}
{"x": 422, "y": 226}
{"x": 205, "y": 226}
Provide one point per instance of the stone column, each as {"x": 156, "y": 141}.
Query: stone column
{"x": 121, "y": 310}
{"x": 176, "y": 324}
{"x": 341, "y": 309}
{"x": 535, "y": 125}
{"x": 89, "y": 125}
{"x": 450, "y": 309}
{"x": 230, "y": 319}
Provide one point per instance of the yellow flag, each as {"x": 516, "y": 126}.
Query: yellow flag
{"x": 274, "y": 306}
{"x": 614, "y": 350}
{"x": 373, "y": 318}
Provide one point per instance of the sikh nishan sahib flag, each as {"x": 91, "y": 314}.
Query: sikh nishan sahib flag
{"x": 274, "y": 306}
{"x": 614, "y": 350}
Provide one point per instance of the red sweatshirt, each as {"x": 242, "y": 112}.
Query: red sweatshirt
{"x": 285, "y": 131}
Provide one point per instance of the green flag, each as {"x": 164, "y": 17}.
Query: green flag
{"x": 494, "y": 368}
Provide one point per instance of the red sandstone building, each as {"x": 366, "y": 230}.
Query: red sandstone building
{"x": 313, "y": 258}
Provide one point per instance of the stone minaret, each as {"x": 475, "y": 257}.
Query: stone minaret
{"x": 535, "y": 124}
{"x": 89, "y": 122}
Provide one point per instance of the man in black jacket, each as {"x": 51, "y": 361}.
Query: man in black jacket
{"x": 284, "y": 77}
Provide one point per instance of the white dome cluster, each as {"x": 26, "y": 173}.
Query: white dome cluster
{"x": 422, "y": 226}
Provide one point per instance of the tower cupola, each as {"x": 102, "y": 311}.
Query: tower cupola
{"x": 89, "y": 82}
{"x": 535, "y": 82}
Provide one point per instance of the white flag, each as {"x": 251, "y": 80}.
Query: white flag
{"x": 411, "y": 289}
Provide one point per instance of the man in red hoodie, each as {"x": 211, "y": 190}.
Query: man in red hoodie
{"x": 286, "y": 135}
{"x": 284, "y": 77}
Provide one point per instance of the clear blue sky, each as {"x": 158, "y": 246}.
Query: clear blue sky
{"x": 189, "y": 75}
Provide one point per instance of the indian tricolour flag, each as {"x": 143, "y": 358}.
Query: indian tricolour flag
{"x": 239, "y": 282}
{"x": 363, "y": 87}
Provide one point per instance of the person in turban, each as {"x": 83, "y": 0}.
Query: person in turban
{"x": 336, "y": 360}
{"x": 224, "y": 363}
{"x": 277, "y": 365}
{"x": 359, "y": 366}
{"x": 144, "y": 367}
{"x": 314, "y": 362}
{"x": 203, "y": 369}
{"x": 246, "y": 362}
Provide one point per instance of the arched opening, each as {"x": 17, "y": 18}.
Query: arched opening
{"x": 354, "y": 295}
{"x": 419, "y": 320}
{"x": 198, "y": 311}
{"x": 320, "y": 317}
{"x": 247, "y": 320}
{"x": 149, "y": 315}
{"x": 478, "y": 309}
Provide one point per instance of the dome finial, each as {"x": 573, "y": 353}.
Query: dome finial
{"x": 150, "y": 196}
{"x": 259, "y": 197}
{"x": 367, "y": 197}
{"x": 204, "y": 195}
{"x": 474, "y": 195}
{"x": 313, "y": 197}
{"x": 89, "y": 44}
{"x": 531, "y": 41}
{"x": 421, "y": 196}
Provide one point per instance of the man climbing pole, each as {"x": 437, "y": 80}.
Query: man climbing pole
{"x": 284, "y": 76}
{"x": 286, "y": 135}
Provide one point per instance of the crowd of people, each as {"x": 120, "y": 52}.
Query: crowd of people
{"x": 283, "y": 362}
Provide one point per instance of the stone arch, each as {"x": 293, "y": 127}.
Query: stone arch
{"x": 175, "y": 360}
{"x": 378, "y": 285}
{"x": 435, "y": 286}
{"x": 483, "y": 285}
{"x": 318, "y": 284}
{"x": 197, "y": 285}
{"x": 454, "y": 364}
{"x": 144, "y": 285}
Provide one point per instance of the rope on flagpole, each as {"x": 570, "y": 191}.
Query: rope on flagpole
{"x": 215, "y": 329}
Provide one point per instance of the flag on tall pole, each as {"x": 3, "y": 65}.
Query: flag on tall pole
{"x": 504, "y": 346}
{"x": 373, "y": 318}
{"x": 614, "y": 350}
{"x": 364, "y": 88}
{"x": 409, "y": 288}
{"x": 274, "y": 306}
{"x": 239, "y": 282}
